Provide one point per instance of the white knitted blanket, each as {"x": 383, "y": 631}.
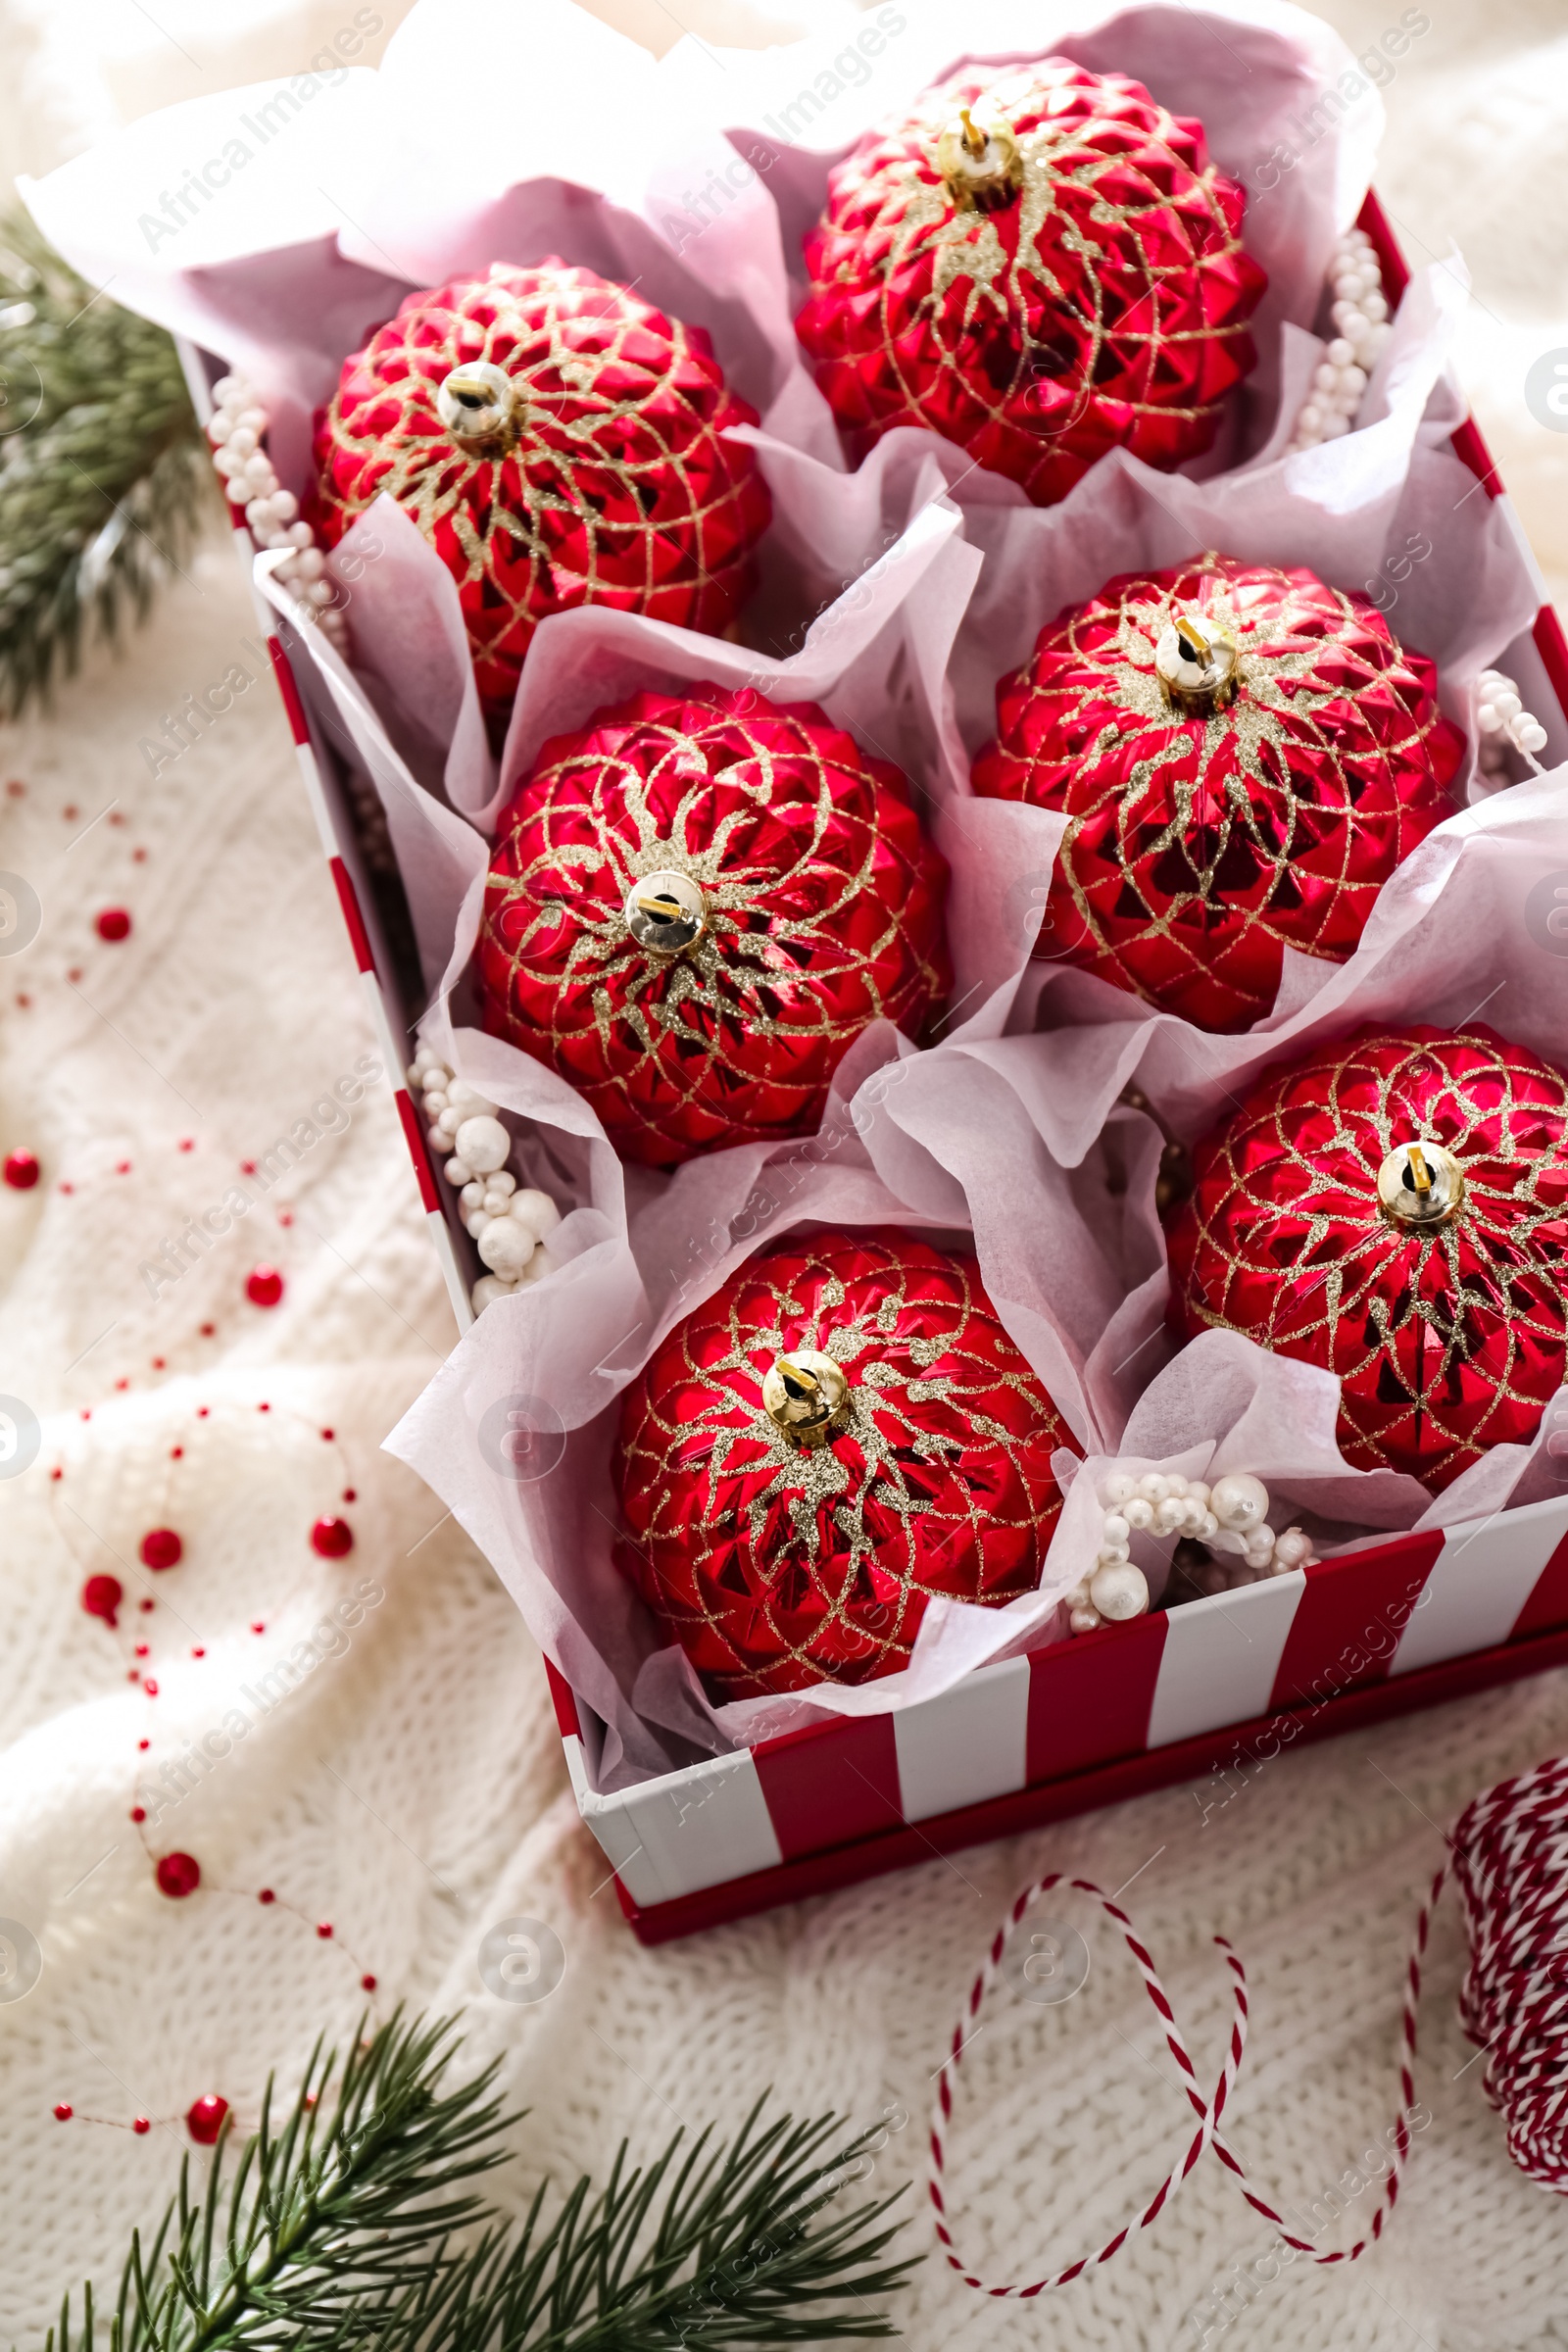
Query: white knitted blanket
{"x": 410, "y": 1788}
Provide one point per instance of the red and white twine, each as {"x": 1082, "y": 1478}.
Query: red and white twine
{"x": 1510, "y": 1854}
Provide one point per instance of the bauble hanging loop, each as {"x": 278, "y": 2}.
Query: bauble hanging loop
{"x": 1421, "y": 1185}
{"x": 806, "y": 1395}
{"x": 979, "y": 163}
{"x": 477, "y": 403}
{"x": 1197, "y": 667}
{"x": 666, "y": 911}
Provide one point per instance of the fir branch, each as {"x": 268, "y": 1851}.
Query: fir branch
{"x": 358, "y": 2225}
{"x": 103, "y": 468}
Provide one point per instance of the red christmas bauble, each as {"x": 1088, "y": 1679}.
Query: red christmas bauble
{"x": 842, "y": 1432}
{"x": 1227, "y": 806}
{"x": 559, "y": 442}
{"x": 696, "y": 903}
{"x": 1433, "y": 1283}
{"x": 1039, "y": 263}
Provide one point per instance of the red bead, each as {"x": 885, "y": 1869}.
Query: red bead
{"x": 162, "y": 1548}
{"x": 367, "y": 1983}
{"x": 264, "y": 1286}
{"x": 650, "y": 508}
{"x": 775, "y": 1570}
{"x": 204, "y": 2119}
{"x": 178, "y": 1874}
{"x": 144, "y": 1743}
{"x": 187, "y": 1143}
{"x": 350, "y": 1494}
{"x": 267, "y": 1895}
{"x": 333, "y": 1539}
{"x": 259, "y": 1627}
{"x": 64, "y": 2112}
{"x": 199, "y": 1652}
{"x": 20, "y": 1171}
{"x": 143, "y": 2123}
{"x": 146, "y": 1607}
{"x": 101, "y": 1597}
{"x": 329, "y": 1435}
{"x": 206, "y": 1330}
{"x": 139, "y": 1812}
{"x": 323, "y": 1929}
{"x": 140, "y": 1649}
{"x": 150, "y": 1687}
{"x": 114, "y": 923}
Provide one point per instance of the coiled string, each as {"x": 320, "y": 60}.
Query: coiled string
{"x": 1510, "y": 1854}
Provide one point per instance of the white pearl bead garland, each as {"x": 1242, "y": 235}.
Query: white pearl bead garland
{"x": 1230, "y": 1516}
{"x": 1502, "y": 717}
{"x": 235, "y": 429}
{"x": 1361, "y": 317}
{"x": 509, "y": 1224}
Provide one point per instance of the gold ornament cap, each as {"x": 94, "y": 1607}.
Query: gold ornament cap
{"x": 1420, "y": 1185}
{"x": 980, "y": 164}
{"x": 1196, "y": 664}
{"x": 666, "y": 911}
{"x": 478, "y": 404}
{"x": 806, "y": 1395}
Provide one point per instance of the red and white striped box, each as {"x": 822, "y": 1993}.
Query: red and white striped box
{"x": 1210, "y": 1688}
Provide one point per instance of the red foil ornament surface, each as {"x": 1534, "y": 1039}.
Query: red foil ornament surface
{"x": 1446, "y": 1342}
{"x": 777, "y": 1566}
{"x": 619, "y": 488}
{"x": 1199, "y": 848}
{"x": 822, "y": 913}
{"x": 1103, "y": 304}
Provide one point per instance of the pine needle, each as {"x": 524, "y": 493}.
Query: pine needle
{"x": 103, "y": 468}
{"x": 358, "y": 2223}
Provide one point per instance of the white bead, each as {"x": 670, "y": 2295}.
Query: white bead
{"x": 1291, "y": 1548}
{"x": 1529, "y": 733}
{"x": 496, "y": 1204}
{"x": 1192, "y": 1515}
{"x": 228, "y": 386}
{"x": 1506, "y": 703}
{"x": 254, "y": 415}
{"x": 1117, "y": 1490}
{"x": 1198, "y": 1493}
{"x": 1259, "y": 1542}
{"x": 241, "y": 442}
{"x": 458, "y": 1171}
{"x": 259, "y": 470}
{"x": 539, "y": 1265}
{"x": 1175, "y": 1485}
{"x": 536, "y": 1212}
{"x": 1325, "y": 378}
{"x": 286, "y": 505}
{"x": 1118, "y": 1592}
{"x": 1353, "y": 381}
{"x": 488, "y": 1289}
{"x": 1151, "y": 1487}
{"x": 1339, "y": 353}
{"x": 302, "y": 534}
{"x": 1375, "y": 308}
{"x": 1138, "y": 1512}
{"x": 1334, "y": 425}
{"x": 1085, "y": 1620}
{"x": 444, "y": 1130}
{"x": 1310, "y": 419}
{"x": 1307, "y": 440}
{"x": 467, "y": 1099}
{"x": 474, "y": 1220}
{"x": 219, "y": 428}
{"x": 1239, "y": 1502}
{"x": 1169, "y": 1514}
{"x": 482, "y": 1141}
{"x": 1116, "y": 1529}
{"x": 1206, "y": 1527}
{"x": 1112, "y": 1555}
{"x": 473, "y": 1193}
{"x": 319, "y": 592}
{"x": 1487, "y": 719}
{"x": 1078, "y": 1596}
{"x": 311, "y": 564}
{"x": 505, "y": 1247}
